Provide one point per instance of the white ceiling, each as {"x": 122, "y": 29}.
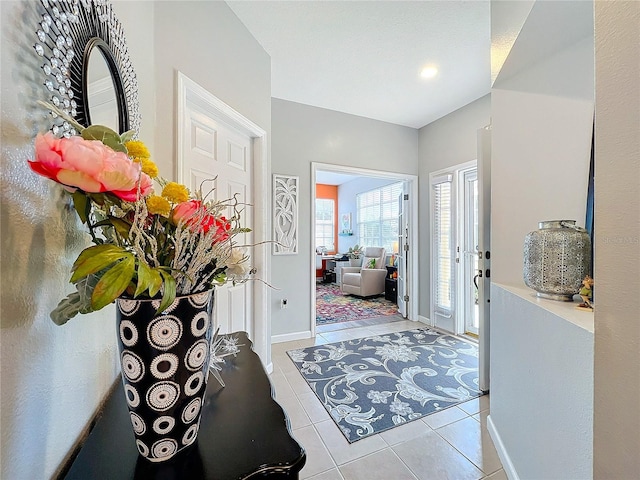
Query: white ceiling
{"x": 365, "y": 57}
{"x": 334, "y": 178}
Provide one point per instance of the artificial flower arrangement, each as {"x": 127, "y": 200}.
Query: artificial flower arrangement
{"x": 146, "y": 244}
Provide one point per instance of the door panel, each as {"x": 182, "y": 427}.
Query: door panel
{"x": 403, "y": 252}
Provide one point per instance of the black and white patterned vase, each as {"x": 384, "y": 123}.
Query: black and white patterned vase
{"x": 165, "y": 361}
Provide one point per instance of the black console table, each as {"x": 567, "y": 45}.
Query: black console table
{"x": 243, "y": 434}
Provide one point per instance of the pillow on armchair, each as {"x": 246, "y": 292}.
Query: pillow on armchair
{"x": 369, "y": 263}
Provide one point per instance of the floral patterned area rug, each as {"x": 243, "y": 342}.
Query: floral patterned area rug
{"x": 332, "y": 306}
{"x": 372, "y": 384}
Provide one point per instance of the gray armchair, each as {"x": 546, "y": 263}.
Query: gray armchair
{"x": 367, "y": 280}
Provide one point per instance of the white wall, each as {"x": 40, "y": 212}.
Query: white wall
{"x": 541, "y": 147}
{"x": 617, "y": 233}
{"x": 541, "y": 386}
{"x": 347, "y": 204}
{"x": 449, "y": 141}
{"x": 301, "y": 135}
{"x": 542, "y": 119}
{"x": 53, "y": 378}
{"x": 541, "y": 354}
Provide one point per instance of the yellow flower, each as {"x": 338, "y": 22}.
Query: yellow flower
{"x": 148, "y": 167}
{"x": 175, "y": 192}
{"x": 137, "y": 149}
{"x": 158, "y": 205}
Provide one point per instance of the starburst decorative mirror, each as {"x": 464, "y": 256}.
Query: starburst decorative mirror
{"x": 87, "y": 71}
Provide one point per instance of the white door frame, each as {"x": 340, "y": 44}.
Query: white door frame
{"x": 189, "y": 91}
{"x": 412, "y": 180}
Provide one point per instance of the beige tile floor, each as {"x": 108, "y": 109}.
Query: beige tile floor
{"x": 453, "y": 444}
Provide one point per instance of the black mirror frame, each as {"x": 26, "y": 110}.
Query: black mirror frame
{"x": 68, "y": 31}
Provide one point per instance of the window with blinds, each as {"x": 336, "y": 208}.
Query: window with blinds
{"x": 325, "y": 227}
{"x": 442, "y": 244}
{"x": 377, "y": 216}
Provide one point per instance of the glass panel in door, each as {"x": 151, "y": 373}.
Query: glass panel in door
{"x": 470, "y": 247}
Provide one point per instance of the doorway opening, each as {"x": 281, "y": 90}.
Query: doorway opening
{"x": 351, "y": 229}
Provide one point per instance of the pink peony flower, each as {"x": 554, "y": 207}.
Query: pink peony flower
{"x": 89, "y": 165}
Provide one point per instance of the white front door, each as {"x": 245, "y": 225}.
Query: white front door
{"x": 484, "y": 247}
{"x": 217, "y": 158}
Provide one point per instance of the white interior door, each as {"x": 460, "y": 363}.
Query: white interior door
{"x": 217, "y": 156}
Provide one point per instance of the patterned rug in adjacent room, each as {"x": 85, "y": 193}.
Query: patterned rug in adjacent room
{"x": 332, "y": 306}
{"x": 372, "y": 384}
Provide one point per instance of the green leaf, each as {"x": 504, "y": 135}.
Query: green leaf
{"x": 95, "y": 250}
{"x": 68, "y": 308}
{"x": 106, "y": 136}
{"x": 122, "y": 226}
{"x": 145, "y": 278}
{"x": 169, "y": 294}
{"x": 96, "y": 258}
{"x": 81, "y": 204}
{"x": 77, "y": 302}
{"x": 128, "y": 136}
{"x": 156, "y": 282}
{"x": 113, "y": 282}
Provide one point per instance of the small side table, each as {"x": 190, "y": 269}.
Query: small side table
{"x": 391, "y": 285}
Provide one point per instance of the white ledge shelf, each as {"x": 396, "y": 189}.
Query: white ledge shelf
{"x": 564, "y": 310}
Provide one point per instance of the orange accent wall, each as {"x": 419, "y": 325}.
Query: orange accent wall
{"x": 330, "y": 192}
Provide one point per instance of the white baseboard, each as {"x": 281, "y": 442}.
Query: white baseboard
{"x": 507, "y": 465}
{"x": 424, "y": 320}
{"x": 287, "y": 337}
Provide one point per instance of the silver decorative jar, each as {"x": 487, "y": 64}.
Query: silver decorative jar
{"x": 557, "y": 257}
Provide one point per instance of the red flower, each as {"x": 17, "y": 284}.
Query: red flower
{"x": 222, "y": 228}
{"x": 194, "y": 214}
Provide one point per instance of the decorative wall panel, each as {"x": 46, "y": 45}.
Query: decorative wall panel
{"x": 285, "y": 214}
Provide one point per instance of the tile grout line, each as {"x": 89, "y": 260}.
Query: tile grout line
{"x": 456, "y": 448}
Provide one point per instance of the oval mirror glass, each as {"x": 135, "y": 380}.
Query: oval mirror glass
{"x": 101, "y": 92}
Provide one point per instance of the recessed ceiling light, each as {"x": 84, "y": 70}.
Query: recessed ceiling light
{"x": 429, "y": 72}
